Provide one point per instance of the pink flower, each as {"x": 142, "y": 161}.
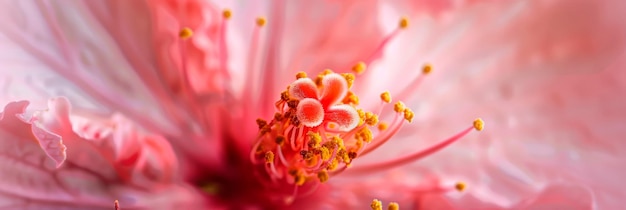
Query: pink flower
{"x": 154, "y": 104}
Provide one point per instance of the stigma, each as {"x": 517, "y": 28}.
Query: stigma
{"x": 318, "y": 129}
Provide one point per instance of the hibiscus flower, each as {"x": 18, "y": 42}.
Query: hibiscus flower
{"x": 312, "y": 105}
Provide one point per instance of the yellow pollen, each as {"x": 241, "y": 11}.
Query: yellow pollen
{"x": 185, "y": 33}
{"x": 371, "y": 119}
{"x": 349, "y": 78}
{"x": 383, "y": 126}
{"x": 333, "y": 164}
{"x": 479, "y": 124}
{"x": 460, "y": 186}
{"x": 351, "y": 98}
{"x": 269, "y": 157}
{"x": 359, "y": 67}
{"x": 404, "y": 22}
{"x": 324, "y": 153}
{"x": 393, "y": 206}
{"x": 326, "y": 72}
{"x": 301, "y": 75}
{"x": 376, "y": 205}
{"x": 386, "y": 97}
{"x": 322, "y": 175}
{"x": 399, "y": 107}
{"x": 427, "y": 68}
{"x": 318, "y": 80}
{"x": 314, "y": 139}
{"x": 261, "y": 21}
{"x": 365, "y": 134}
{"x": 408, "y": 115}
{"x": 227, "y": 13}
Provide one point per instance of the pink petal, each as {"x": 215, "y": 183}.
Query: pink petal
{"x": 86, "y": 179}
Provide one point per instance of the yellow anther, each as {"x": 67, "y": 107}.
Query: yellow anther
{"x": 269, "y": 157}
{"x": 284, "y": 95}
{"x": 261, "y": 123}
{"x": 359, "y": 67}
{"x": 376, "y": 205}
{"x": 404, "y": 22}
{"x": 351, "y": 98}
{"x": 227, "y": 13}
{"x": 408, "y": 115}
{"x": 314, "y": 139}
{"x": 280, "y": 140}
{"x": 427, "y": 68}
{"x": 386, "y": 97}
{"x": 299, "y": 179}
{"x": 261, "y": 21}
{"x": 185, "y": 33}
{"x": 460, "y": 186}
{"x": 393, "y": 206}
{"x": 333, "y": 164}
{"x": 301, "y": 75}
{"x": 337, "y": 141}
{"x": 318, "y": 80}
{"x": 365, "y": 134}
{"x": 322, "y": 175}
{"x": 326, "y": 72}
{"x": 324, "y": 153}
{"x": 479, "y": 124}
{"x": 399, "y": 107}
{"x": 371, "y": 119}
{"x": 349, "y": 78}
{"x": 383, "y": 126}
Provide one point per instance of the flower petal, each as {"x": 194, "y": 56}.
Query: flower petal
{"x": 87, "y": 179}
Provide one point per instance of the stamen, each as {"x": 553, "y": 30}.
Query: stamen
{"x": 376, "y": 205}
{"x": 393, "y": 206}
{"x": 479, "y": 124}
{"x": 412, "y": 87}
{"x": 410, "y": 158}
{"x": 251, "y": 81}
{"x": 382, "y": 126}
{"x": 403, "y": 24}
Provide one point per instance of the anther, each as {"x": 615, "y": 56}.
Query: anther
{"x": 227, "y": 14}
{"x": 322, "y": 176}
{"x": 349, "y": 78}
{"x": 269, "y": 157}
{"x": 301, "y": 75}
{"x": 376, "y": 205}
{"x": 261, "y": 123}
{"x": 479, "y": 124}
{"x": 399, "y": 107}
{"x": 383, "y": 126}
{"x": 359, "y": 67}
{"x": 386, "y": 97}
{"x": 404, "y": 22}
{"x": 261, "y": 21}
{"x": 460, "y": 186}
{"x": 427, "y": 68}
{"x": 299, "y": 179}
{"x": 408, "y": 115}
{"x": 185, "y": 33}
{"x": 393, "y": 206}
